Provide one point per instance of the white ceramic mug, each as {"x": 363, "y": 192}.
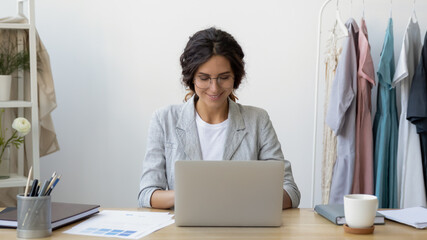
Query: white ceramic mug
{"x": 360, "y": 210}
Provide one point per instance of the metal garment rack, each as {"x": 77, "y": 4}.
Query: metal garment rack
{"x": 319, "y": 32}
{"x": 316, "y": 86}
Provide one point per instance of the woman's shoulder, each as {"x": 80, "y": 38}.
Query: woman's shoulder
{"x": 169, "y": 110}
{"x": 252, "y": 111}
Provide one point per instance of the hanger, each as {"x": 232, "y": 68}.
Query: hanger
{"x": 339, "y": 23}
{"x": 363, "y": 12}
{"x": 414, "y": 16}
{"x": 20, "y": 8}
{"x": 20, "y": 17}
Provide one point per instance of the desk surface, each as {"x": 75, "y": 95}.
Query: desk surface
{"x": 302, "y": 224}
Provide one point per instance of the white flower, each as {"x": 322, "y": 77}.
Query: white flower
{"x": 22, "y": 126}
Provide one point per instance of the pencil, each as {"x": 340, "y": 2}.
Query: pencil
{"x": 52, "y": 182}
{"x": 28, "y": 181}
{"x": 53, "y": 186}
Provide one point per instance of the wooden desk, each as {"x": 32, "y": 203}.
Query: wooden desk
{"x": 301, "y": 224}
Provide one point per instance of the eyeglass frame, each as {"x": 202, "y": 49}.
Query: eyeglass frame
{"x": 210, "y": 81}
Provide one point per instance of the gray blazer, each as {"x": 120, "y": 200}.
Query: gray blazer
{"x": 173, "y": 136}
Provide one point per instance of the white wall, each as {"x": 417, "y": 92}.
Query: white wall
{"x": 114, "y": 62}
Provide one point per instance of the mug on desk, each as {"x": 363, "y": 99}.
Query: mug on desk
{"x": 34, "y": 217}
{"x": 360, "y": 210}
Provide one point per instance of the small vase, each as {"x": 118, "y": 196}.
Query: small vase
{"x": 5, "y": 87}
{"x": 5, "y": 163}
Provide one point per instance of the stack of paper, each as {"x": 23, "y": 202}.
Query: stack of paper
{"x": 123, "y": 224}
{"x": 416, "y": 216}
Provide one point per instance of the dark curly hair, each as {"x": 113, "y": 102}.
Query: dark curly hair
{"x": 201, "y": 47}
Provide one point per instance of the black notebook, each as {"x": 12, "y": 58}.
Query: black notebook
{"x": 335, "y": 213}
{"x": 62, "y": 214}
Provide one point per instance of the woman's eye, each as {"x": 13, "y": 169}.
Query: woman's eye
{"x": 204, "y": 78}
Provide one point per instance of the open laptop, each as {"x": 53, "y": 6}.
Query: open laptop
{"x": 228, "y": 193}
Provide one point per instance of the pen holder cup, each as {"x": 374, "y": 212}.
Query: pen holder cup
{"x": 34, "y": 217}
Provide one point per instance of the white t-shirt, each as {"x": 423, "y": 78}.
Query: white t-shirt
{"x": 212, "y": 138}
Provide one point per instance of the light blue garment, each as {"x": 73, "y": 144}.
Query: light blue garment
{"x": 386, "y": 127}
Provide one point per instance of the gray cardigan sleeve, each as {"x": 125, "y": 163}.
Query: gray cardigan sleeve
{"x": 270, "y": 149}
{"x": 154, "y": 170}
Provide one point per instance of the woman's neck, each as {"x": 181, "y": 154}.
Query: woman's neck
{"x": 212, "y": 115}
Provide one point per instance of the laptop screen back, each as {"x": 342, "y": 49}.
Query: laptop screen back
{"x": 228, "y": 193}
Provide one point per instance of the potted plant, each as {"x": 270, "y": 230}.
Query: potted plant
{"x": 10, "y": 60}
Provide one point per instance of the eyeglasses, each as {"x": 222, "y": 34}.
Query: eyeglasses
{"x": 204, "y": 81}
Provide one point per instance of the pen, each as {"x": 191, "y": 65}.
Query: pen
{"x": 28, "y": 181}
{"x": 51, "y": 182}
{"x": 51, "y": 188}
{"x": 37, "y": 189}
{"x": 34, "y": 188}
{"x": 44, "y": 188}
{"x": 53, "y": 175}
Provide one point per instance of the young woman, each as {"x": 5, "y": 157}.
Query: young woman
{"x": 210, "y": 125}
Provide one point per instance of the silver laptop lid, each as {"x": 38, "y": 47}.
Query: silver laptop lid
{"x": 228, "y": 193}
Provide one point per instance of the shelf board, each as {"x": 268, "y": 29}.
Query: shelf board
{"x": 15, "y": 104}
{"x": 13, "y": 181}
{"x": 14, "y": 26}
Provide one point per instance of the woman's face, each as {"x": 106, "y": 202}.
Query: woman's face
{"x": 213, "y": 82}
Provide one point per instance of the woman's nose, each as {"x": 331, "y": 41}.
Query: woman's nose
{"x": 214, "y": 84}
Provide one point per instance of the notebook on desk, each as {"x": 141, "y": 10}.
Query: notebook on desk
{"x": 228, "y": 193}
{"x": 62, "y": 214}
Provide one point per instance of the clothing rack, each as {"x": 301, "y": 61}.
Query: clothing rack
{"x": 316, "y": 88}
